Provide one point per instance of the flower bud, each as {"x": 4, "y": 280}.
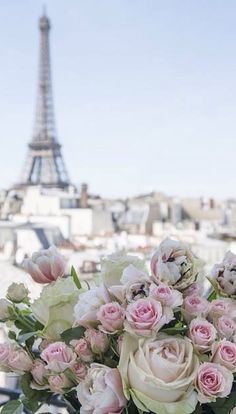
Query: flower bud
{"x": 17, "y": 292}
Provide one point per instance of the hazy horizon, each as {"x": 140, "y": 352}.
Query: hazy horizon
{"x": 144, "y": 93}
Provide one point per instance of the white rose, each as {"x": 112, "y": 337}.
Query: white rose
{"x": 54, "y": 308}
{"x": 85, "y": 311}
{"x": 112, "y": 267}
{"x": 159, "y": 373}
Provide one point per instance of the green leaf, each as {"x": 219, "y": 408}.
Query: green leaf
{"x": 24, "y": 337}
{"x": 212, "y": 296}
{"x": 73, "y": 333}
{"x": 12, "y": 335}
{"x": 224, "y": 405}
{"x": 13, "y": 407}
{"x": 175, "y": 330}
{"x": 75, "y": 277}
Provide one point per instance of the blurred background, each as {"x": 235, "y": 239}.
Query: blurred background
{"x": 118, "y": 128}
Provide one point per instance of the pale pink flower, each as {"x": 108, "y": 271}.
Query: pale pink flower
{"x": 166, "y": 295}
{"x": 146, "y": 316}
{"x": 101, "y": 392}
{"x": 58, "y": 356}
{"x": 202, "y": 334}
{"x": 82, "y": 349}
{"x": 19, "y": 361}
{"x": 111, "y": 315}
{"x": 213, "y": 381}
{"x": 59, "y": 383}
{"x": 5, "y": 352}
{"x": 225, "y": 326}
{"x": 224, "y": 353}
{"x": 195, "y": 306}
{"x": 194, "y": 289}
{"x": 224, "y": 274}
{"x": 175, "y": 264}
{"x": 45, "y": 266}
{"x": 80, "y": 370}
{"x": 97, "y": 340}
{"x": 220, "y": 307}
{"x": 39, "y": 372}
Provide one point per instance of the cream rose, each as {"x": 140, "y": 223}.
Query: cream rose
{"x": 159, "y": 373}
{"x": 175, "y": 264}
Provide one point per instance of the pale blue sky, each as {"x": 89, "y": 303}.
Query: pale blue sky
{"x": 145, "y": 92}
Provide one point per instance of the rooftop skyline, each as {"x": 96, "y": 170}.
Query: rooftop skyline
{"x": 145, "y": 93}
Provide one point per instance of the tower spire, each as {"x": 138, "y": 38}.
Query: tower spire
{"x": 45, "y": 164}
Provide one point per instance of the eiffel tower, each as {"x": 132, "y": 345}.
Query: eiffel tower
{"x": 44, "y": 165}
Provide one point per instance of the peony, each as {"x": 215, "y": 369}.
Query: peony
{"x": 58, "y": 357}
{"x": 146, "y": 316}
{"x": 85, "y": 311}
{"x": 166, "y": 295}
{"x": 195, "y": 306}
{"x": 225, "y": 326}
{"x": 97, "y": 340}
{"x": 19, "y": 361}
{"x": 213, "y": 381}
{"x": 39, "y": 372}
{"x": 224, "y": 275}
{"x": 82, "y": 349}
{"x": 101, "y": 392}
{"x": 175, "y": 264}
{"x": 17, "y": 292}
{"x": 159, "y": 373}
{"x": 5, "y": 307}
{"x": 202, "y": 334}
{"x": 45, "y": 266}
{"x": 59, "y": 383}
{"x": 224, "y": 353}
{"x": 111, "y": 315}
{"x": 54, "y": 308}
{"x": 112, "y": 267}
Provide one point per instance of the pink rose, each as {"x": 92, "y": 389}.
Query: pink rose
{"x": 58, "y": 356}
{"x": 80, "y": 370}
{"x": 225, "y": 326}
{"x": 82, "y": 349}
{"x": 167, "y": 296}
{"x": 19, "y": 361}
{"x": 101, "y": 392}
{"x": 111, "y": 315}
{"x": 5, "y": 352}
{"x": 213, "y": 381}
{"x": 97, "y": 340}
{"x": 194, "y": 289}
{"x": 45, "y": 266}
{"x": 224, "y": 353}
{"x": 145, "y": 316}
{"x": 59, "y": 383}
{"x": 220, "y": 307}
{"x": 39, "y": 371}
{"x": 195, "y": 306}
{"x": 202, "y": 334}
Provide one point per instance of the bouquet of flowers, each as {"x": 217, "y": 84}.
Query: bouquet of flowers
{"x": 137, "y": 341}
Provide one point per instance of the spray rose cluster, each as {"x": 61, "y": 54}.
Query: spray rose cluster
{"x": 140, "y": 340}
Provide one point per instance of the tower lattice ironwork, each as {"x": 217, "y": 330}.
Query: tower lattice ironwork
{"x": 44, "y": 165}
